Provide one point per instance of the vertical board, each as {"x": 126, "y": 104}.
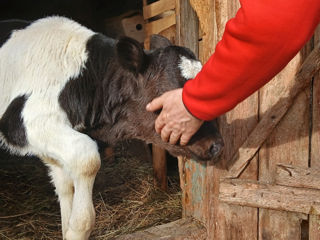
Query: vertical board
{"x": 238, "y": 123}
{"x": 192, "y": 173}
{"x": 314, "y": 221}
{"x": 289, "y": 144}
{"x": 205, "y": 10}
{"x": 201, "y": 180}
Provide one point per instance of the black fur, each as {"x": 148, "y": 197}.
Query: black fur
{"x": 118, "y": 80}
{"x": 97, "y": 95}
{"x": 81, "y": 98}
{"x": 158, "y": 41}
{"x": 11, "y": 123}
{"x": 7, "y": 26}
{"x": 130, "y": 54}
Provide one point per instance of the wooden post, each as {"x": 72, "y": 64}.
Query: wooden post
{"x": 164, "y": 24}
{"x": 288, "y": 144}
{"x": 159, "y": 167}
{"x": 201, "y": 180}
{"x": 314, "y": 221}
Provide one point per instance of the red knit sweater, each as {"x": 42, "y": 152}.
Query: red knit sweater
{"x": 256, "y": 45}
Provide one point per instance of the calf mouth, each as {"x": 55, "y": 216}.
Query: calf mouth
{"x": 213, "y": 153}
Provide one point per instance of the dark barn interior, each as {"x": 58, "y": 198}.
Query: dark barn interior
{"x": 124, "y": 195}
{"x": 89, "y": 13}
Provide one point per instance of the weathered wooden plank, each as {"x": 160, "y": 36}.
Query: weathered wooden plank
{"x": 183, "y": 229}
{"x": 157, "y": 8}
{"x": 200, "y": 197}
{"x": 314, "y": 227}
{"x": 314, "y": 221}
{"x": 289, "y": 175}
{"x": 289, "y": 229}
{"x": 191, "y": 184}
{"x": 206, "y": 14}
{"x": 188, "y": 30}
{"x": 161, "y": 24}
{"x": 197, "y": 183}
{"x": 232, "y": 221}
{"x": 159, "y": 161}
{"x": 287, "y": 144}
{"x": 289, "y": 92}
{"x": 255, "y": 194}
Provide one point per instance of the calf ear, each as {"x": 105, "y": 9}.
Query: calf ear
{"x": 130, "y": 54}
{"x": 158, "y": 41}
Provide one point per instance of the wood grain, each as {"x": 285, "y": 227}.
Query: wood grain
{"x": 289, "y": 92}
{"x": 289, "y": 175}
{"x": 157, "y": 8}
{"x": 160, "y": 25}
{"x": 288, "y": 143}
{"x": 184, "y": 229}
{"x": 255, "y": 194}
{"x": 314, "y": 221}
{"x": 159, "y": 168}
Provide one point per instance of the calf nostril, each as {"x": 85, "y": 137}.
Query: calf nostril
{"x": 216, "y": 149}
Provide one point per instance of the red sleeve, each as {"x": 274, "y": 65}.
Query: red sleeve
{"x": 256, "y": 45}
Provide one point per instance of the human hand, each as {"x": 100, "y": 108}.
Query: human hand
{"x": 174, "y": 121}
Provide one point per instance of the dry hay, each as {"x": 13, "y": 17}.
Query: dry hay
{"x": 124, "y": 197}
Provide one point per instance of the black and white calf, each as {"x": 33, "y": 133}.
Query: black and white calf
{"x": 64, "y": 86}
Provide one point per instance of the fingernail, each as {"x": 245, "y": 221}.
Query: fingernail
{"x": 148, "y": 106}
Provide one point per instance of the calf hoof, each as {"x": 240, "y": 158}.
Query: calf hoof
{"x": 75, "y": 235}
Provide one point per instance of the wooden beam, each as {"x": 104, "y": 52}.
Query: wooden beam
{"x": 255, "y": 194}
{"x": 158, "y": 26}
{"x": 294, "y": 176}
{"x": 157, "y": 8}
{"x": 183, "y": 229}
{"x": 188, "y": 30}
{"x": 314, "y": 221}
{"x": 159, "y": 161}
{"x": 271, "y": 118}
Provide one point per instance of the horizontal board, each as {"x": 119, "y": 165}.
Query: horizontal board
{"x": 157, "y": 8}
{"x": 255, "y": 194}
{"x": 158, "y": 26}
{"x": 289, "y": 175}
{"x": 183, "y": 229}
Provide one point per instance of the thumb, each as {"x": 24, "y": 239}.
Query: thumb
{"x": 155, "y": 104}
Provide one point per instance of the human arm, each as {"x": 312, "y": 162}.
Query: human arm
{"x": 256, "y": 45}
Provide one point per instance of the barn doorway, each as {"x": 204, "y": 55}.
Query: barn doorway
{"x": 124, "y": 196}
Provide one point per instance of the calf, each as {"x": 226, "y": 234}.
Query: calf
{"x": 65, "y": 86}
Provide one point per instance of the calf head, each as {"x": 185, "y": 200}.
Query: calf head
{"x": 144, "y": 76}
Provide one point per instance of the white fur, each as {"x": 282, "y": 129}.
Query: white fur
{"x": 189, "y": 68}
{"x": 38, "y": 61}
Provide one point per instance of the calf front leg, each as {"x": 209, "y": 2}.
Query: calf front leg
{"x": 82, "y": 217}
{"x": 78, "y": 155}
{"x": 64, "y": 189}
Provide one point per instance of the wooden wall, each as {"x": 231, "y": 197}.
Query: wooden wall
{"x": 295, "y": 141}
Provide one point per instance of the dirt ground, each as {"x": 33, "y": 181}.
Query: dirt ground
{"x": 124, "y": 196}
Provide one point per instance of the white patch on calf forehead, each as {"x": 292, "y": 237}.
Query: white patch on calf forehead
{"x": 189, "y": 67}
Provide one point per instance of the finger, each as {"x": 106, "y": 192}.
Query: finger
{"x": 174, "y": 137}
{"x": 155, "y": 104}
{"x": 185, "y": 138}
{"x": 165, "y": 134}
{"x": 159, "y": 123}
